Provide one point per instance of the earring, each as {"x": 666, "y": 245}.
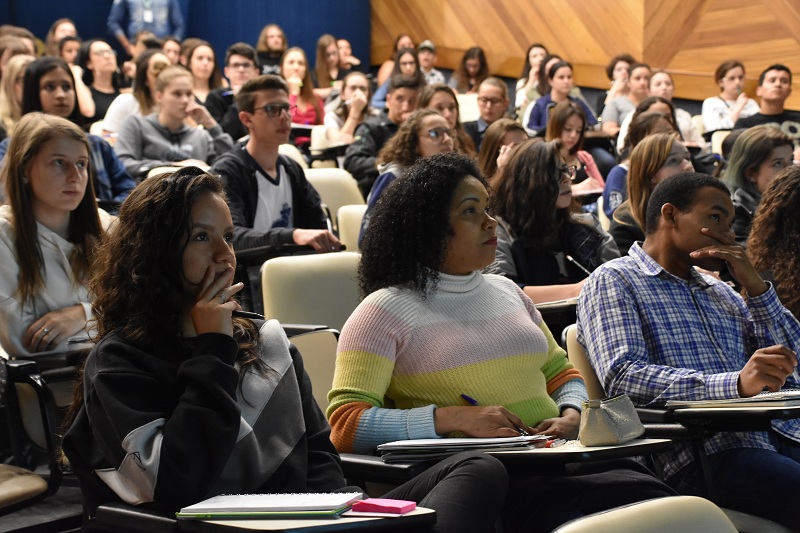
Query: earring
{"x": 24, "y": 180}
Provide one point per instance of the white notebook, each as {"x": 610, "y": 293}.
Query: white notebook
{"x": 264, "y": 505}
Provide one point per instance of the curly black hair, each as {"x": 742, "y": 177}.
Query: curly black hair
{"x": 406, "y": 241}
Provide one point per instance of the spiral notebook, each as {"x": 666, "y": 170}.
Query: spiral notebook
{"x": 271, "y": 505}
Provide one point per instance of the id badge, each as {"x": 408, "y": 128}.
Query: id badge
{"x": 147, "y": 16}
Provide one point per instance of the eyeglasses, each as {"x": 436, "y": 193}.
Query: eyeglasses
{"x": 568, "y": 170}
{"x": 484, "y": 100}
{"x": 274, "y": 110}
{"x": 437, "y": 134}
{"x": 245, "y": 66}
{"x": 104, "y": 52}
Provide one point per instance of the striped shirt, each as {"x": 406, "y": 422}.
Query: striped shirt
{"x": 476, "y": 335}
{"x": 658, "y": 337}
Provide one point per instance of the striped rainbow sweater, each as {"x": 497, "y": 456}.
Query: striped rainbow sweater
{"x": 477, "y": 334}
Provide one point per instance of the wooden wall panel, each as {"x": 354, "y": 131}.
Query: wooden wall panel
{"x": 689, "y": 38}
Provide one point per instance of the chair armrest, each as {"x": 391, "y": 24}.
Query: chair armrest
{"x": 655, "y": 415}
{"x": 359, "y": 467}
{"x": 293, "y": 330}
{"x": 262, "y": 253}
{"x": 122, "y": 517}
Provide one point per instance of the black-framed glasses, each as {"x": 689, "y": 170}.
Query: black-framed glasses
{"x": 491, "y": 101}
{"x": 246, "y": 65}
{"x": 437, "y": 134}
{"x": 275, "y": 110}
{"x": 568, "y": 170}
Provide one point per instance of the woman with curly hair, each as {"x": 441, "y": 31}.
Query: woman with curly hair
{"x": 441, "y": 98}
{"x": 471, "y": 71}
{"x": 226, "y": 393}
{"x": 758, "y": 155}
{"x": 541, "y": 245}
{"x": 774, "y": 241}
{"x": 423, "y": 134}
{"x": 432, "y": 328}
{"x": 653, "y": 160}
{"x": 48, "y": 232}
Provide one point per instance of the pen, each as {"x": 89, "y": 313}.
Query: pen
{"x": 472, "y": 401}
{"x": 555, "y": 443}
{"x": 247, "y": 314}
{"x": 469, "y": 400}
{"x": 572, "y": 260}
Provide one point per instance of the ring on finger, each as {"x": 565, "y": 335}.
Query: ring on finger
{"x": 222, "y": 296}
{"x": 46, "y": 331}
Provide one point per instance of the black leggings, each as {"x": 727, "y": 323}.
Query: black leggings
{"x": 542, "y": 499}
{"x": 467, "y": 491}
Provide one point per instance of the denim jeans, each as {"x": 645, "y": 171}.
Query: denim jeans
{"x": 751, "y": 480}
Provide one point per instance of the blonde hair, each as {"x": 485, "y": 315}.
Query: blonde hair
{"x": 646, "y": 159}
{"x": 166, "y": 76}
{"x": 10, "y": 108}
{"x": 31, "y": 133}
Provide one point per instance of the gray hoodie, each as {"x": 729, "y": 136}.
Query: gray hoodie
{"x": 143, "y": 143}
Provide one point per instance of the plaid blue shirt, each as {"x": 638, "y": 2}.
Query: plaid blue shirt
{"x": 658, "y": 337}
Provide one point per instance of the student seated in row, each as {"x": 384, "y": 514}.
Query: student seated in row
{"x": 241, "y": 65}
{"x": 163, "y": 138}
{"x": 180, "y": 401}
{"x": 658, "y": 329}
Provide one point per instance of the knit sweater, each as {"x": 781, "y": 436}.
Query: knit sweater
{"x": 478, "y": 335}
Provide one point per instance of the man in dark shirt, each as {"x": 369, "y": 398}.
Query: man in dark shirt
{"x": 774, "y": 87}
{"x": 372, "y": 134}
{"x": 492, "y": 105}
{"x": 241, "y": 65}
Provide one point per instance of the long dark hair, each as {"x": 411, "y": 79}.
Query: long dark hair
{"x": 31, "y": 99}
{"x": 526, "y": 191}
{"x": 406, "y": 241}
{"x": 138, "y": 280}
{"x": 418, "y": 75}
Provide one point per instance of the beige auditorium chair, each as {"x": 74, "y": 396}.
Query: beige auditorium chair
{"x": 348, "y": 220}
{"x": 662, "y": 515}
{"x": 311, "y": 289}
{"x": 336, "y": 187}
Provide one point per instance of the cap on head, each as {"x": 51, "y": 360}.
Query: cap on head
{"x": 427, "y": 44}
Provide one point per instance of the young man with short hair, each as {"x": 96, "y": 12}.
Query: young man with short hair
{"x": 426, "y": 52}
{"x": 492, "y": 104}
{"x": 241, "y": 65}
{"x": 271, "y": 201}
{"x": 657, "y": 329}
{"x": 372, "y": 134}
{"x": 774, "y": 87}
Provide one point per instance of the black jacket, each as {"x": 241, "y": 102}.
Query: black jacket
{"x": 222, "y": 107}
{"x": 168, "y": 425}
{"x": 238, "y": 172}
{"x": 368, "y": 139}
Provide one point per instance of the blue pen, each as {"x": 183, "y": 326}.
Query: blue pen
{"x": 469, "y": 400}
{"x": 472, "y": 401}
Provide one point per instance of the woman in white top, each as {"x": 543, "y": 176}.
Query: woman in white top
{"x": 529, "y": 79}
{"x": 48, "y": 232}
{"x": 353, "y": 109}
{"x": 141, "y": 101}
{"x": 722, "y": 111}
{"x": 661, "y": 84}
